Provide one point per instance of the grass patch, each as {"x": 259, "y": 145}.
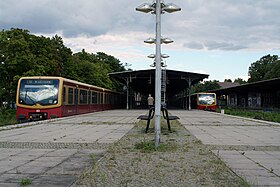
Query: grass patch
{"x": 93, "y": 159}
{"x": 243, "y": 183}
{"x": 7, "y": 117}
{"x": 25, "y": 182}
{"x": 149, "y": 146}
{"x": 261, "y": 115}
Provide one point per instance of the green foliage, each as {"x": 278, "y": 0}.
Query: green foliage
{"x": 149, "y": 146}
{"x": 205, "y": 86}
{"x": 24, "y": 54}
{"x": 261, "y": 115}
{"x": 227, "y": 80}
{"x": 7, "y": 117}
{"x": 240, "y": 81}
{"x": 267, "y": 67}
{"x": 25, "y": 182}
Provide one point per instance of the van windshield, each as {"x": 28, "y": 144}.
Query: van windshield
{"x": 38, "y": 91}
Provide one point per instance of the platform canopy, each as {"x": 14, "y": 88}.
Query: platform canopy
{"x": 265, "y": 86}
{"x": 143, "y": 81}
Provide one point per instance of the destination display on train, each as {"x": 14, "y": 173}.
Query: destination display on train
{"x": 40, "y": 82}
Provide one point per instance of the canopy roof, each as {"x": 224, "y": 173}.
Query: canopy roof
{"x": 270, "y": 85}
{"x": 143, "y": 81}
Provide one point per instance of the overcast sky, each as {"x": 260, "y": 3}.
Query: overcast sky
{"x": 217, "y": 37}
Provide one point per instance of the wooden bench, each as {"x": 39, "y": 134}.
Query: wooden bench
{"x": 151, "y": 115}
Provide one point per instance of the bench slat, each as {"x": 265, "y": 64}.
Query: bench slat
{"x": 173, "y": 117}
{"x": 143, "y": 117}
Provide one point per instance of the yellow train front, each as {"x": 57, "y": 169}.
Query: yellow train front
{"x": 40, "y": 98}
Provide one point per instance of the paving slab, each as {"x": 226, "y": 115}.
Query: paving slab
{"x": 56, "y": 152}
{"x": 240, "y": 141}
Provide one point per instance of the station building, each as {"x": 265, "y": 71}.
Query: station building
{"x": 139, "y": 84}
{"x": 263, "y": 95}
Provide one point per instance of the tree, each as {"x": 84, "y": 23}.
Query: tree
{"x": 227, "y": 80}
{"x": 240, "y": 81}
{"x": 266, "y": 68}
{"x": 24, "y": 54}
{"x": 113, "y": 63}
{"x": 16, "y": 59}
{"x": 205, "y": 86}
{"x": 98, "y": 66}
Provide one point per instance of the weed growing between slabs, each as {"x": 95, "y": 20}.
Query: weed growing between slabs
{"x": 25, "y": 182}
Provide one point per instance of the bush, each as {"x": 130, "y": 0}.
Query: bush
{"x": 7, "y": 117}
{"x": 261, "y": 115}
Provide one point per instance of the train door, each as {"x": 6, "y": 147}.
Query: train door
{"x": 76, "y": 100}
{"x": 101, "y": 100}
{"x": 63, "y": 101}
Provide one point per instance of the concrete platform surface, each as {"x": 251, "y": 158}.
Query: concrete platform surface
{"x": 56, "y": 152}
{"x": 251, "y": 148}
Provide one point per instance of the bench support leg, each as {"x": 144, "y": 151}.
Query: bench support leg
{"x": 148, "y": 124}
{"x": 151, "y": 115}
{"x": 168, "y": 122}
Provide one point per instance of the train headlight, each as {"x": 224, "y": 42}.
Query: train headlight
{"x": 54, "y": 101}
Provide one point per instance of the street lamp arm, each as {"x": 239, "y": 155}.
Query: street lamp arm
{"x": 162, "y": 40}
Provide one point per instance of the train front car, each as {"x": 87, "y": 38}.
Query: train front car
{"x": 206, "y": 101}
{"x": 38, "y": 98}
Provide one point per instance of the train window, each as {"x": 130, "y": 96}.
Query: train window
{"x": 76, "y": 96}
{"x": 38, "y": 91}
{"x": 94, "y": 97}
{"x": 70, "y": 96}
{"x": 89, "y": 97}
{"x": 83, "y": 97}
{"x": 106, "y": 98}
{"x": 98, "y": 98}
{"x": 111, "y": 99}
{"x": 101, "y": 98}
{"x": 64, "y": 95}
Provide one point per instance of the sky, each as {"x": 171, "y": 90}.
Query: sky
{"x": 221, "y": 38}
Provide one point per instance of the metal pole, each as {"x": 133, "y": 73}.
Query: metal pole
{"x": 189, "y": 92}
{"x": 158, "y": 74}
{"x": 127, "y": 92}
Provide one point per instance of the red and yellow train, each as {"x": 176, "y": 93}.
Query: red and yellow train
{"x": 48, "y": 97}
{"x": 204, "y": 101}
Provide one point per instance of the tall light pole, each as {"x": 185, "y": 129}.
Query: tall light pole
{"x": 158, "y": 7}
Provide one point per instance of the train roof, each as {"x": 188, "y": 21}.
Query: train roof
{"x": 67, "y": 80}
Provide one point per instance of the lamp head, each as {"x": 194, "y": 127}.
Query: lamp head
{"x": 170, "y": 8}
{"x": 164, "y": 56}
{"x": 150, "y": 41}
{"x": 152, "y": 56}
{"x": 146, "y": 8}
{"x": 166, "y": 40}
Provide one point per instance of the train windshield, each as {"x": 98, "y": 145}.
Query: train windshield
{"x": 38, "y": 91}
{"x": 206, "y": 99}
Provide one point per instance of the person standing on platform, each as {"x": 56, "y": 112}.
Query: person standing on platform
{"x": 150, "y": 101}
